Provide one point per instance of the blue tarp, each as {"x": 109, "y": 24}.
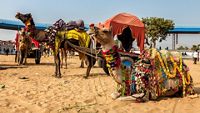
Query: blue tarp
{"x": 186, "y": 30}
{"x": 16, "y": 25}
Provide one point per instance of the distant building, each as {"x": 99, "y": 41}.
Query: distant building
{"x": 4, "y": 45}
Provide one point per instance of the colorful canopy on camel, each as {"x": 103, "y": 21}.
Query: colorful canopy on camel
{"x": 121, "y": 21}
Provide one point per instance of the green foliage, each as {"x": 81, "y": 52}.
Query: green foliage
{"x": 156, "y": 29}
{"x": 182, "y": 48}
{"x": 186, "y": 48}
{"x": 195, "y": 47}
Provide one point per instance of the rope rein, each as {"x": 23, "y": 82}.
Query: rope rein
{"x": 90, "y": 52}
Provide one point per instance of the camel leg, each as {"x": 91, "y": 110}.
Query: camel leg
{"x": 57, "y": 65}
{"x": 21, "y": 57}
{"x": 25, "y": 57}
{"x": 91, "y": 61}
{"x": 55, "y": 61}
{"x": 82, "y": 64}
{"x": 61, "y": 51}
{"x": 81, "y": 57}
{"x": 16, "y": 57}
{"x": 65, "y": 56}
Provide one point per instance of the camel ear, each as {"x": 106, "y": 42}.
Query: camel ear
{"x": 29, "y": 14}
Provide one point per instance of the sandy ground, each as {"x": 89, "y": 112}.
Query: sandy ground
{"x": 33, "y": 89}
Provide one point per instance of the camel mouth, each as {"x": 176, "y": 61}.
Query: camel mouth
{"x": 17, "y": 15}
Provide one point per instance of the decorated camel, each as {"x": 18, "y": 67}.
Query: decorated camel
{"x": 29, "y": 33}
{"x": 154, "y": 74}
{"x": 23, "y": 45}
{"x": 68, "y": 37}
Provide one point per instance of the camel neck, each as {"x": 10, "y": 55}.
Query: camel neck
{"x": 112, "y": 57}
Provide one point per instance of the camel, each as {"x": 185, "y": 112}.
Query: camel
{"x": 30, "y": 32}
{"x": 60, "y": 37}
{"x": 24, "y": 43}
{"x": 155, "y": 74}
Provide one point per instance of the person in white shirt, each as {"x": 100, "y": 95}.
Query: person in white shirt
{"x": 195, "y": 56}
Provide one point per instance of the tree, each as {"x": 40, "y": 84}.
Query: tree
{"x": 186, "y": 48}
{"x": 180, "y": 48}
{"x": 199, "y": 46}
{"x": 156, "y": 29}
{"x": 195, "y": 47}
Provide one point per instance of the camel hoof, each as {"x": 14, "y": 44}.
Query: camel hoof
{"x": 58, "y": 77}
{"x": 54, "y": 75}
{"x": 86, "y": 77}
{"x": 65, "y": 67}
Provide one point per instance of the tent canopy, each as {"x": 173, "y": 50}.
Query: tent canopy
{"x": 121, "y": 21}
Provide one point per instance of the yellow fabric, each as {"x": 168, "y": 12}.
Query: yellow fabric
{"x": 72, "y": 34}
{"x": 82, "y": 36}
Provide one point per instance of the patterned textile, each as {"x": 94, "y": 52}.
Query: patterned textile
{"x": 61, "y": 31}
{"x": 162, "y": 74}
{"x": 155, "y": 74}
{"x": 52, "y": 30}
{"x": 112, "y": 57}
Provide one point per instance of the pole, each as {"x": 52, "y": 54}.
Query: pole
{"x": 173, "y": 41}
{"x": 176, "y": 38}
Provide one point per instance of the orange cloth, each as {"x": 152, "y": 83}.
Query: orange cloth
{"x": 123, "y": 20}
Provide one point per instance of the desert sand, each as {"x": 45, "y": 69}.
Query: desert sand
{"x": 31, "y": 88}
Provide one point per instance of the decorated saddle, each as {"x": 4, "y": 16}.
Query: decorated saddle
{"x": 154, "y": 74}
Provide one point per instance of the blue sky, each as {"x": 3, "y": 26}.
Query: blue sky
{"x": 182, "y": 12}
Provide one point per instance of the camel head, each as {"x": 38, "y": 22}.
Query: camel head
{"x": 103, "y": 36}
{"x": 25, "y": 18}
{"x": 18, "y": 15}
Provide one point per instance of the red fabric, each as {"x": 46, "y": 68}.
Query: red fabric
{"x": 16, "y": 41}
{"x": 120, "y": 21}
{"x": 36, "y": 43}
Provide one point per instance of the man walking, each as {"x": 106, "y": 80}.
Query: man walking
{"x": 195, "y": 56}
